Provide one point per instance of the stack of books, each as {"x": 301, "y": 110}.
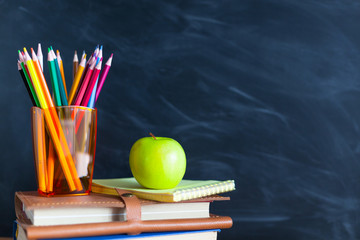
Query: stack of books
{"x": 122, "y": 209}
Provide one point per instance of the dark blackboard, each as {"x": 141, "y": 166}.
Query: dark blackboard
{"x": 262, "y": 92}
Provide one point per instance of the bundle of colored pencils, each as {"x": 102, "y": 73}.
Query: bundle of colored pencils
{"x": 87, "y": 84}
{"x": 88, "y": 79}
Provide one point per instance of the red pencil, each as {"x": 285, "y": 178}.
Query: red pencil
{"x": 84, "y": 85}
{"x": 103, "y": 76}
{"x": 91, "y": 85}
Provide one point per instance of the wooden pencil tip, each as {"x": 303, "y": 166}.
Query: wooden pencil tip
{"x": 50, "y": 57}
{"x": 33, "y": 54}
{"x": 39, "y": 49}
{"x": 75, "y": 59}
{"x": 109, "y": 61}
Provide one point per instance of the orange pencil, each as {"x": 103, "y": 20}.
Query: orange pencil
{"x": 44, "y": 167}
{"x": 61, "y": 66}
{"x": 77, "y": 79}
{"x": 40, "y": 163}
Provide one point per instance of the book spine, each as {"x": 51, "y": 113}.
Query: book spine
{"x": 198, "y": 192}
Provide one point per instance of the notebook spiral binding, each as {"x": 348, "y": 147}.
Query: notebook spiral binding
{"x": 186, "y": 194}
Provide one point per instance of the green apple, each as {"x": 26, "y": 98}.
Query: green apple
{"x": 157, "y": 162}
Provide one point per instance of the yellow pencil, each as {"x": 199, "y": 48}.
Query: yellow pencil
{"x": 35, "y": 80}
{"x": 41, "y": 78}
{"x": 77, "y": 79}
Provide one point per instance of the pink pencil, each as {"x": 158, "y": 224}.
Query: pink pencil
{"x": 103, "y": 76}
{"x": 84, "y": 85}
{"x": 91, "y": 85}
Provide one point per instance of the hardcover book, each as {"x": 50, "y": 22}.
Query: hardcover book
{"x": 103, "y": 208}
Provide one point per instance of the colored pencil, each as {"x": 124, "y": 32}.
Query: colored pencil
{"x": 75, "y": 65}
{"x": 82, "y": 56}
{"x": 92, "y": 58}
{"x": 53, "y": 77}
{"x": 103, "y": 76}
{"x": 39, "y": 131}
{"x": 60, "y": 81}
{"x": 77, "y": 78}
{"x": 87, "y": 65}
{"x": 41, "y": 77}
{"x": 84, "y": 85}
{"x": 40, "y": 57}
{"x": 26, "y": 83}
{"x": 50, "y": 167}
{"x": 35, "y": 80}
{"x": 61, "y": 67}
{"x": 91, "y": 102}
{"x": 91, "y": 84}
{"x": 40, "y": 152}
{"x": 28, "y": 80}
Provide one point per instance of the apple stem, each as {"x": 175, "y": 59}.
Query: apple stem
{"x": 153, "y": 136}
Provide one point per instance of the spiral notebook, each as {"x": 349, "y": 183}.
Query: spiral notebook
{"x": 186, "y": 190}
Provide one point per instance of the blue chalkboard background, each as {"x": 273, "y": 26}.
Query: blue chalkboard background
{"x": 265, "y": 92}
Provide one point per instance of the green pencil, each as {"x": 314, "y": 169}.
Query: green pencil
{"x": 64, "y": 101}
{"x": 53, "y": 77}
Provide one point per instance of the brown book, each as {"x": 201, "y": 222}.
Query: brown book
{"x": 103, "y": 208}
{"x": 132, "y": 225}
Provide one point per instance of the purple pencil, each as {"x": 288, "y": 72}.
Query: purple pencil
{"x": 103, "y": 76}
